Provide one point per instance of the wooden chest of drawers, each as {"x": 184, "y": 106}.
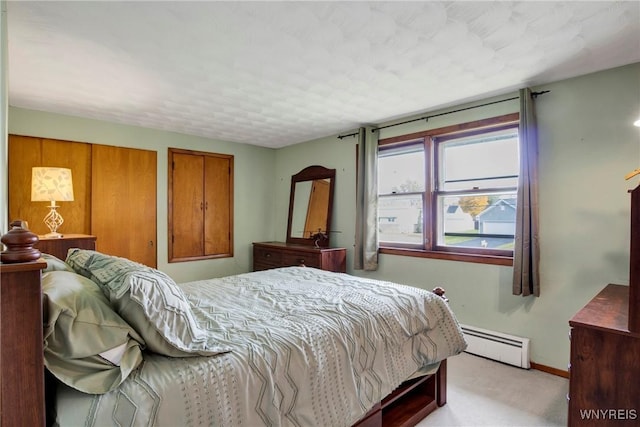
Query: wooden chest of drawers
{"x": 268, "y": 255}
{"x": 605, "y": 366}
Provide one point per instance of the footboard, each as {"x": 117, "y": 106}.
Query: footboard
{"x": 411, "y": 402}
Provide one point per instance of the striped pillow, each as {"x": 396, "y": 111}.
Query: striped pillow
{"x": 150, "y": 301}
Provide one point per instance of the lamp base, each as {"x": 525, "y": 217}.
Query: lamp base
{"x": 53, "y": 235}
{"x": 53, "y": 221}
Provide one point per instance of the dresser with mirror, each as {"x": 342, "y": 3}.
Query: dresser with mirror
{"x": 308, "y": 226}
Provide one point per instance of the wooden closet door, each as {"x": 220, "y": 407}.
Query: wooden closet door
{"x": 186, "y": 206}
{"x": 124, "y": 186}
{"x": 200, "y": 205}
{"x": 218, "y": 217}
{"x": 26, "y": 152}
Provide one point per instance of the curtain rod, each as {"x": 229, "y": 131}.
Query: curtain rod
{"x": 533, "y": 95}
{"x": 348, "y": 134}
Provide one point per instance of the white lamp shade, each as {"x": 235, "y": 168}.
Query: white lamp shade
{"x": 51, "y": 184}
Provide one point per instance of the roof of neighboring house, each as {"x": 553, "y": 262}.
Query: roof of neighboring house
{"x": 501, "y": 210}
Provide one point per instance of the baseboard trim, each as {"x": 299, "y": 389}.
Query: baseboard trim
{"x": 550, "y": 370}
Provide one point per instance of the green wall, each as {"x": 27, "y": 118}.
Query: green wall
{"x": 4, "y": 105}
{"x": 587, "y": 145}
{"x": 253, "y": 181}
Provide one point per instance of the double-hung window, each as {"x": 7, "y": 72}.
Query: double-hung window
{"x": 451, "y": 192}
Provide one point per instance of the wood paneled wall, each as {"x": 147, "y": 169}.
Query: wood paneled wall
{"x": 114, "y": 189}
{"x": 27, "y": 152}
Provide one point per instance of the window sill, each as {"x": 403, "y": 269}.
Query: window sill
{"x": 450, "y": 256}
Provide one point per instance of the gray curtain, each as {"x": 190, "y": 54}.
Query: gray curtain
{"x": 366, "y": 246}
{"x": 526, "y": 252}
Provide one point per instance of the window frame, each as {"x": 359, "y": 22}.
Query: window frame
{"x": 430, "y": 248}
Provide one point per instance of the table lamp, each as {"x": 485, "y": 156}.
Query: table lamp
{"x": 51, "y": 185}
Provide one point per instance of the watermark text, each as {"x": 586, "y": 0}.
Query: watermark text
{"x": 608, "y": 414}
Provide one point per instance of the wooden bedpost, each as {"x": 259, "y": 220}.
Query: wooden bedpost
{"x": 441, "y": 383}
{"x": 22, "y": 401}
{"x": 440, "y": 292}
{"x": 441, "y": 375}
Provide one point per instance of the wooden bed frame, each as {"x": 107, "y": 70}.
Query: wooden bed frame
{"x": 22, "y": 374}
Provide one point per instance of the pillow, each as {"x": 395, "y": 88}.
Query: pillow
{"x": 150, "y": 301}
{"x": 160, "y": 312}
{"x": 87, "y": 345}
{"x": 54, "y": 263}
{"x": 102, "y": 269}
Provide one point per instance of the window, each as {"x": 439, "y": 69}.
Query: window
{"x": 451, "y": 192}
{"x": 401, "y": 190}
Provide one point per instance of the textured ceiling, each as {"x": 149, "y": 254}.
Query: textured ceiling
{"x": 279, "y": 73}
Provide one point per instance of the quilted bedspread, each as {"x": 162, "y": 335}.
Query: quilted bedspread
{"x": 309, "y": 348}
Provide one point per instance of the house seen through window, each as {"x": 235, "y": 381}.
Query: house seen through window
{"x": 450, "y": 191}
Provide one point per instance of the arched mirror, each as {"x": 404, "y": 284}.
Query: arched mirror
{"x": 310, "y": 206}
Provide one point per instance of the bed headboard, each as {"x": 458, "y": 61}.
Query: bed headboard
{"x": 22, "y": 391}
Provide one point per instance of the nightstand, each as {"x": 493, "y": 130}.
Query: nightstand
{"x": 59, "y": 247}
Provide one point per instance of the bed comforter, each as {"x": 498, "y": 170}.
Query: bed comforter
{"x": 309, "y": 348}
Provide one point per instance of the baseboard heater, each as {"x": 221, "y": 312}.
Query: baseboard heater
{"x": 497, "y": 346}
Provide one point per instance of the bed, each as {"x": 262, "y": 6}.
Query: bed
{"x": 291, "y": 346}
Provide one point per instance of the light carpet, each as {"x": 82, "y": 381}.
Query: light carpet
{"x": 483, "y": 392}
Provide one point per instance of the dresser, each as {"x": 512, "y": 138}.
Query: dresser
{"x": 604, "y": 374}
{"x": 268, "y": 255}
{"x": 58, "y": 247}
{"x": 605, "y": 363}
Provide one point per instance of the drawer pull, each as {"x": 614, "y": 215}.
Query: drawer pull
{"x": 301, "y": 262}
{"x": 267, "y": 255}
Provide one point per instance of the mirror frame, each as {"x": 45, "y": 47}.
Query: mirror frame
{"x": 312, "y": 173}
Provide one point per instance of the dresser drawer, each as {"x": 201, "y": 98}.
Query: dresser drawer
{"x": 266, "y": 257}
{"x": 306, "y": 259}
